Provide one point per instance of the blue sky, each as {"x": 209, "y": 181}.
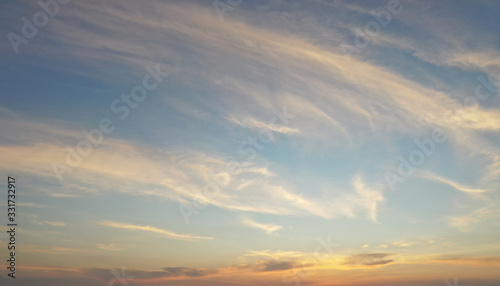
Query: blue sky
{"x": 273, "y": 88}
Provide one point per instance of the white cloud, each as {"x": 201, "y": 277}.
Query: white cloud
{"x": 54, "y": 223}
{"x": 259, "y": 125}
{"x": 455, "y": 185}
{"x": 153, "y": 229}
{"x": 466, "y": 222}
{"x": 269, "y": 228}
{"x": 337, "y": 102}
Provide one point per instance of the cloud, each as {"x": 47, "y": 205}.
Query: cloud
{"x": 29, "y": 248}
{"x": 368, "y": 198}
{"x": 57, "y": 195}
{"x": 274, "y": 265}
{"x": 337, "y": 102}
{"x": 492, "y": 260}
{"x": 167, "y": 272}
{"x": 276, "y": 255}
{"x": 410, "y": 102}
{"x": 54, "y": 223}
{"x": 231, "y": 74}
{"x": 109, "y": 246}
{"x": 186, "y": 271}
{"x": 177, "y": 174}
{"x": 259, "y": 125}
{"x": 267, "y": 260}
{"x": 268, "y": 228}
{"x": 395, "y": 103}
{"x": 466, "y": 222}
{"x": 31, "y": 205}
{"x": 403, "y": 243}
{"x": 169, "y": 234}
{"x": 457, "y": 186}
{"x": 369, "y": 259}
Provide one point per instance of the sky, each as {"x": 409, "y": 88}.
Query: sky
{"x": 241, "y": 142}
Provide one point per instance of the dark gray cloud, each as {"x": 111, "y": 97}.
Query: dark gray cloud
{"x": 140, "y": 274}
{"x": 186, "y": 271}
{"x": 272, "y": 265}
{"x": 369, "y": 259}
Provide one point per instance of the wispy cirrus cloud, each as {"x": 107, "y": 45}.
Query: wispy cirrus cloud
{"x": 147, "y": 228}
{"x": 186, "y": 172}
{"x": 354, "y": 117}
{"x": 269, "y": 228}
{"x": 467, "y": 222}
{"x": 55, "y": 223}
{"x": 455, "y": 185}
{"x": 259, "y": 125}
